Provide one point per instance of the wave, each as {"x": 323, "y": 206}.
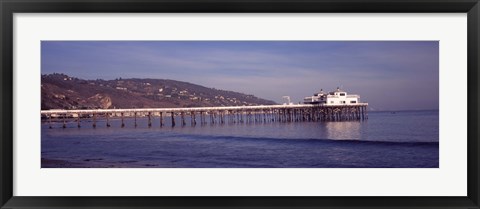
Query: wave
{"x": 311, "y": 140}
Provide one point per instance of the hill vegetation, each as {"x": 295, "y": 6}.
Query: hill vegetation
{"x": 60, "y": 91}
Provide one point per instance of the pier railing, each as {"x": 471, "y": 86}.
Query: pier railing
{"x": 222, "y": 114}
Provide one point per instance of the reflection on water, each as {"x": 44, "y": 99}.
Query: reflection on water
{"x": 342, "y": 130}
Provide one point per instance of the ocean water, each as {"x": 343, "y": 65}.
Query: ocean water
{"x": 404, "y": 139}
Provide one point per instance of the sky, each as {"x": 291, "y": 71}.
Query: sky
{"x": 389, "y": 75}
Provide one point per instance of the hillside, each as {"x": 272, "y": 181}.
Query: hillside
{"x": 61, "y": 91}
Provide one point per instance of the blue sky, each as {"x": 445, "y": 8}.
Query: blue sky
{"x": 389, "y": 75}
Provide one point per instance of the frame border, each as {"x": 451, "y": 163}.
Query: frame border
{"x": 9, "y": 7}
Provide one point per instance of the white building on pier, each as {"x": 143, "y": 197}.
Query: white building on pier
{"x": 337, "y": 97}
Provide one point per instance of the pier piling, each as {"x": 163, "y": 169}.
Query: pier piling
{"x": 50, "y": 121}
{"x": 108, "y": 121}
{"x": 78, "y": 120}
{"x": 161, "y": 119}
{"x": 149, "y": 119}
{"x": 135, "y": 115}
{"x": 123, "y": 123}
{"x": 94, "y": 120}
{"x": 182, "y": 116}
{"x": 64, "y": 123}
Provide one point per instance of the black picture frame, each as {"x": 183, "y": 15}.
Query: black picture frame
{"x": 9, "y": 7}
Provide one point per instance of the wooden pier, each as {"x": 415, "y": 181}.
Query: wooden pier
{"x": 216, "y": 115}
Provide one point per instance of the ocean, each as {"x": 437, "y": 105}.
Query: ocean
{"x": 402, "y": 139}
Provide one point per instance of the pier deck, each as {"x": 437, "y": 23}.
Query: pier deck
{"x": 224, "y": 114}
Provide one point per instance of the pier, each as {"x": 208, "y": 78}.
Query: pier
{"x": 215, "y": 115}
